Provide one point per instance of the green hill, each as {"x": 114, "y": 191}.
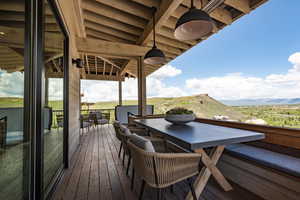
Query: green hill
{"x": 202, "y": 105}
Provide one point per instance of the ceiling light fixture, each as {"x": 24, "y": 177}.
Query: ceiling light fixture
{"x": 154, "y": 56}
{"x": 194, "y": 24}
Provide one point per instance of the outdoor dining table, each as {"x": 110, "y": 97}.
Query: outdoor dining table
{"x": 196, "y": 136}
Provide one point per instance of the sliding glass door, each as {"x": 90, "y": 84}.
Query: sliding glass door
{"x": 33, "y": 83}
{"x": 14, "y": 139}
{"x": 54, "y": 109}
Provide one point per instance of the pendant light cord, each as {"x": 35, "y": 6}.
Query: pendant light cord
{"x": 192, "y": 4}
{"x": 154, "y": 11}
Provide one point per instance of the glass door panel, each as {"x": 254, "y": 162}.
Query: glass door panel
{"x": 14, "y": 141}
{"x": 54, "y": 98}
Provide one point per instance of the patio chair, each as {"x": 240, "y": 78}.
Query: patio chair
{"x": 98, "y": 118}
{"x": 59, "y": 121}
{"x": 161, "y": 170}
{"x": 85, "y": 122}
{"x": 3, "y": 132}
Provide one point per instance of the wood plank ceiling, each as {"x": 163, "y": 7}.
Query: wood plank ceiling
{"x": 130, "y": 22}
{"x": 112, "y": 34}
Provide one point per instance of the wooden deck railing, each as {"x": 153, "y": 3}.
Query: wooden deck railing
{"x": 288, "y": 137}
{"x": 86, "y": 111}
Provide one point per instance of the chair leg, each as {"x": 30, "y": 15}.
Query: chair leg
{"x": 158, "y": 194}
{"x": 142, "y": 190}
{"x": 172, "y": 188}
{"x": 132, "y": 179}
{"x": 121, "y": 145}
{"x": 190, "y": 183}
{"x": 128, "y": 165}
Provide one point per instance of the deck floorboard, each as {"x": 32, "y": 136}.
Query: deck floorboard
{"x": 96, "y": 172}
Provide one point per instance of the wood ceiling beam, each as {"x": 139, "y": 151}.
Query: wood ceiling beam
{"x": 108, "y": 61}
{"x": 114, "y": 14}
{"x": 168, "y": 32}
{"x": 79, "y": 19}
{"x": 92, "y": 17}
{"x": 56, "y": 66}
{"x": 241, "y": 5}
{"x": 111, "y": 31}
{"x": 163, "y": 13}
{"x": 128, "y": 7}
{"x": 103, "y": 77}
{"x": 14, "y": 37}
{"x": 103, "y": 36}
{"x": 172, "y": 42}
{"x": 166, "y": 8}
{"x": 149, "y": 3}
{"x": 19, "y": 6}
{"x": 102, "y": 47}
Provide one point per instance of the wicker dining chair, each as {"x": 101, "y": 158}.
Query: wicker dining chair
{"x": 116, "y": 125}
{"x": 161, "y": 170}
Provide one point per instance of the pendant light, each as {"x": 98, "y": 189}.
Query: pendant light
{"x": 154, "y": 56}
{"x": 194, "y": 24}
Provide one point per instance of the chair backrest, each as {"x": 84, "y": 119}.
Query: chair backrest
{"x": 116, "y": 125}
{"x": 144, "y": 163}
{"x": 98, "y": 114}
{"x": 121, "y": 112}
{"x": 60, "y": 120}
{"x": 3, "y": 132}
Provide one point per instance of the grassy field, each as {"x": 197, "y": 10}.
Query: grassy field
{"x": 203, "y": 105}
{"x": 275, "y": 115}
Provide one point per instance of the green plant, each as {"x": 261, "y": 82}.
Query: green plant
{"x": 179, "y": 111}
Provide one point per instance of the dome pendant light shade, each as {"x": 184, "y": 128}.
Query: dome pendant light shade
{"x": 192, "y": 25}
{"x": 154, "y": 56}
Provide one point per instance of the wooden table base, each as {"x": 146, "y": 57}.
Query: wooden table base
{"x": 209, "y": 169}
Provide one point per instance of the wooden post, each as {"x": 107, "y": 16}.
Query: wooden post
{"x": 142, "y": 97}
{"x": 120, "y": 92}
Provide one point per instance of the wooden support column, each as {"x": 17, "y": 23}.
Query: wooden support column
{"x": 120, "y": 92}
{"x": 142, "y": 97}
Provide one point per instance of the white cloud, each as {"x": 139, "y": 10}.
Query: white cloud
{"x": 240, "y": 86}
{"x": 56, "y": 89}
{"x": 166, "y": 71}
{"x": 295, "y": 60}
{"x": 107, "y": 90}
{"x": 11, "y": 84}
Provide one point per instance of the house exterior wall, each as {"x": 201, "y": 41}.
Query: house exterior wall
{"x": 68, "y": 14}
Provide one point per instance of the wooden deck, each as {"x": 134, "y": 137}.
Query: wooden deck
{"x": 96, "y": 172}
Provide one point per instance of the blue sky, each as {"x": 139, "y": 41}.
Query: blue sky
{"x": 256, "y": 44}
{"x": 258, "y": 56}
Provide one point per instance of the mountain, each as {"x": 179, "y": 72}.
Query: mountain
{"x": 202, "y": 105}
{"x": 263, "y": 101}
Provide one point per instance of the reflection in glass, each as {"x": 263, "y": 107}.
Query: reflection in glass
{"x": 54, "y": 98}
{"x": 14, "y": 142}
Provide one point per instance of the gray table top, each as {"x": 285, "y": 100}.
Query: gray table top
{"x": 196, "y": 135}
